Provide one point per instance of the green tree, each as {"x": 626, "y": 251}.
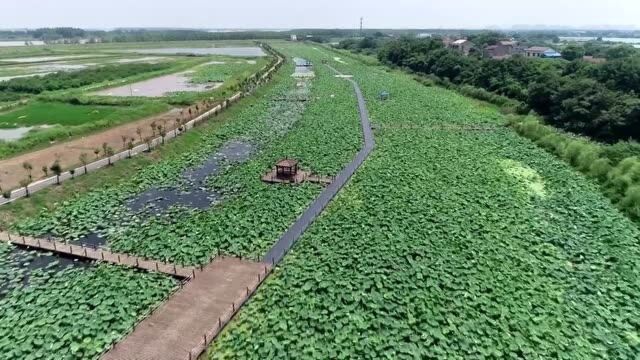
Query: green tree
{"x": 573, "y": 52}
{"x": 621, "y": 52}
{"x": 28, "y": 168}
{"x": 108, "y": 152}
{"x": 57, "y": 170}
{"x": 130, "y": 147}
{"x": 84, "y": 159}
{"x": 25, "y": 184}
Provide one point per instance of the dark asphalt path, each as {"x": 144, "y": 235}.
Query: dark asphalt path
{"x": 291, "y": 236}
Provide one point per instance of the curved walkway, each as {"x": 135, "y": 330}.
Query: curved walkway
{"x": 289, "y": 238}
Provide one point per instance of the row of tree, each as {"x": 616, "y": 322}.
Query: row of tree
{"x": 598, "y": 100}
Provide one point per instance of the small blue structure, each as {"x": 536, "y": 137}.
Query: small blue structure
{"x": 551, "y": 54}
{"x": 302, "y": 62}
{"x": 384, "y": 95}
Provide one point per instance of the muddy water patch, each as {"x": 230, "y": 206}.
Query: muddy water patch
{"x": 7, "y": 78}
{"x": 148, "y": 59}
{"x": 19, "y": 43}
{"x": 55, "y": 67}
{"x": 159, "y": 87}
{"x": 192, "y": 192}
{"x": 14, "y": 134}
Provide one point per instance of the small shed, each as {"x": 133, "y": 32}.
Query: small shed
{"x": 384, "y": 95}
{"x": 287, "y": 168}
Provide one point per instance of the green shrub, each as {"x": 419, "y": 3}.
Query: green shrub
{"x": 630, "y": 203}
{"x": 621, "y": 150}
{"x": 600, "y": 168}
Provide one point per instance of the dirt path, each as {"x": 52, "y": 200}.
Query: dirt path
{"x": 193, "y": 315}
{"x": 68, "y": 153}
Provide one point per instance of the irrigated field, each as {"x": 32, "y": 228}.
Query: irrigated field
{"x": 56, "y": 113}
{"x": 457, "y": 239}
{"x": 67, "y": 101}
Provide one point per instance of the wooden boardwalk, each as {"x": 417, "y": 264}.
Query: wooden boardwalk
{"x": 184, "y": 326}
{"x": 91, "y": 253}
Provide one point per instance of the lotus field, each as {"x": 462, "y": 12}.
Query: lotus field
{"x": 69, "y": 312}
{"x": 458, "y": 240}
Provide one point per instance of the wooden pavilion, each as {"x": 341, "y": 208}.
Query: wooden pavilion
{"x": 287, "y": 169}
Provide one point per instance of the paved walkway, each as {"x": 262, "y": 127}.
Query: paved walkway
{"x": 184, "y": 326}
{"x": 91, "y": 253}
{"x": 289, "y": 238}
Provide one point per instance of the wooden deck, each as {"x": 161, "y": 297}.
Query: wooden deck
{"x": 98, "y": 254}
{"x": 302, "y": 176}
{"x": 184, "y": 326}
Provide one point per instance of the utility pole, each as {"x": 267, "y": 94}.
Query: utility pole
{"x": 361, "y": 20}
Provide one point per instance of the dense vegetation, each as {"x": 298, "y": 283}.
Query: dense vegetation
{"x": 595, "y": 100}
{"x": 72, "y": 313}
{"x": 458, "y": 239}
{"x": 615, "y": 167}
{"x": 606, "y": 92}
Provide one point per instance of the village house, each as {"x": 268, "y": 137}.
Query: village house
{"x": 501, "y": 50}
{"x": 463, "y": 46}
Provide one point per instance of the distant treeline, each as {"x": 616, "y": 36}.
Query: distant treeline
{"x": 50, "y": 34}
{"x": 16, "y": 88}
{"x": 597, "y": 100}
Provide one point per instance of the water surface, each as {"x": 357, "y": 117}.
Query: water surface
{"x": 229, "y": 51}
{"x": 159, "y": 87}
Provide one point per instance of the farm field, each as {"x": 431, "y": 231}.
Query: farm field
{"x": 67, "y": 106}
{"x": 457, "y": 239}
{"x": 56, "y": 113}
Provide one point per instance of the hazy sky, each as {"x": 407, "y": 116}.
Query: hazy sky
{"x": 318, "y": 14}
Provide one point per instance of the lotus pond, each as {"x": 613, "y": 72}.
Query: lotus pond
{"x": 56, "y": 308}
{"x": 450, "y": 243}
{"x": 315, "y": 121}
